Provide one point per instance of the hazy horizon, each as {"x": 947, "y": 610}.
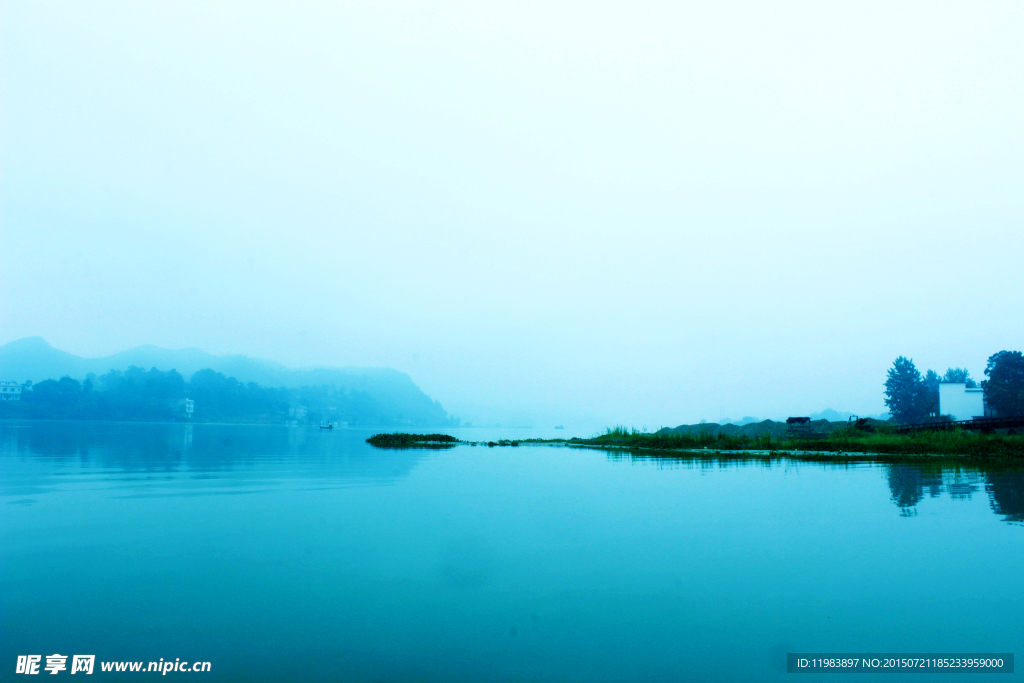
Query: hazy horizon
{"x": 5, "y": 375}
{"x": 635, "y": 214}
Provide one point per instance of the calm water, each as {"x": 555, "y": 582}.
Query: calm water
{"x": 283, "y": 553}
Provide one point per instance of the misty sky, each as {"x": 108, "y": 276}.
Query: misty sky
{"x": 589, "y": 214}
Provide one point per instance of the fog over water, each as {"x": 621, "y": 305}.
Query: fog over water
{"x": 576, "y": 214}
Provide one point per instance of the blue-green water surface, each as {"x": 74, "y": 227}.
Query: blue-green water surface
{"x": 295, "y": 554}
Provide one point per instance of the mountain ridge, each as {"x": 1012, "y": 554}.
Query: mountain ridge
{"x": 35, "y": 359}
{"x": 38, "y": 360}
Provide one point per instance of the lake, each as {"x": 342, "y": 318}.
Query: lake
{"x": 295, "y": 554}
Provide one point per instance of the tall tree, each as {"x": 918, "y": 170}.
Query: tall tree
{"x": 929, "y": 392}
{"x": 1004, "y": 388}
{"x": 957, "y": 375}
{"x": 905, "y": 393}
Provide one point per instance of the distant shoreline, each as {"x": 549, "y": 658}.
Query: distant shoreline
{"x": 847, "y": 444}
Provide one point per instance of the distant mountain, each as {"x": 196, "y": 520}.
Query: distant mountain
{"x": 829, "y": 415}
{"x": 842, "y": 415}
{"x": 393, "y": 392}
{"x": 33, "y": 359}
{"x": 776, "y": 429}
{"x": 747, "y": 419}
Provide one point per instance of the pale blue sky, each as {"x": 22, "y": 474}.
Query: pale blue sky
{"x": 584, "y": 213}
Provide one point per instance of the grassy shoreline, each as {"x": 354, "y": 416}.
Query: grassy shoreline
{"x": 846, "y": 441}
{"x": 849, "y": 444}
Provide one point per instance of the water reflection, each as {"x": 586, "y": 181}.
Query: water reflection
{"x": 909, "y": 484}
{"x": 203, "y": 448}
{"x": 1007, "y": 495}
{"x": 907, "y": 487}
{"x": 266, "y": 548}
{"x": 1005, "y": 488}
{"x": 272, "y": 451}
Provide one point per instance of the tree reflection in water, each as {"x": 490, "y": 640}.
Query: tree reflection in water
{"x": 1006, "y": 493}
{"x": 908, "y": 483}
{"x": 907, "y": 487}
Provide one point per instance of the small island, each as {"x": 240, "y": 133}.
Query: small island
{"x": 401, "y": 440}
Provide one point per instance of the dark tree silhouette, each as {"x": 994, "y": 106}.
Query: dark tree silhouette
{"x": 906, "y": 395}
{"x": 956, "y": 375}
{"x": 1004, "y": 388}
{"x": 930, "y": 395}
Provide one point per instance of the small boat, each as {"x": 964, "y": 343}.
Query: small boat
{"x": 327, "y": 426}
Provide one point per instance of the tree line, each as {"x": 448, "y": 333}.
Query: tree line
{"x": 138, "y": 394}
{"x": 913, "y": 398}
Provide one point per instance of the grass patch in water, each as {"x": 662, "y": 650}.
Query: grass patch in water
{"x": 401, "y": 440}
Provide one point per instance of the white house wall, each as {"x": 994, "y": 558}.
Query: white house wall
{"x": 961, "y": 403}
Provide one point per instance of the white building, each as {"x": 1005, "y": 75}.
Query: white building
{"x": 10, "y": 391}
{"x": 962, "y": 403}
